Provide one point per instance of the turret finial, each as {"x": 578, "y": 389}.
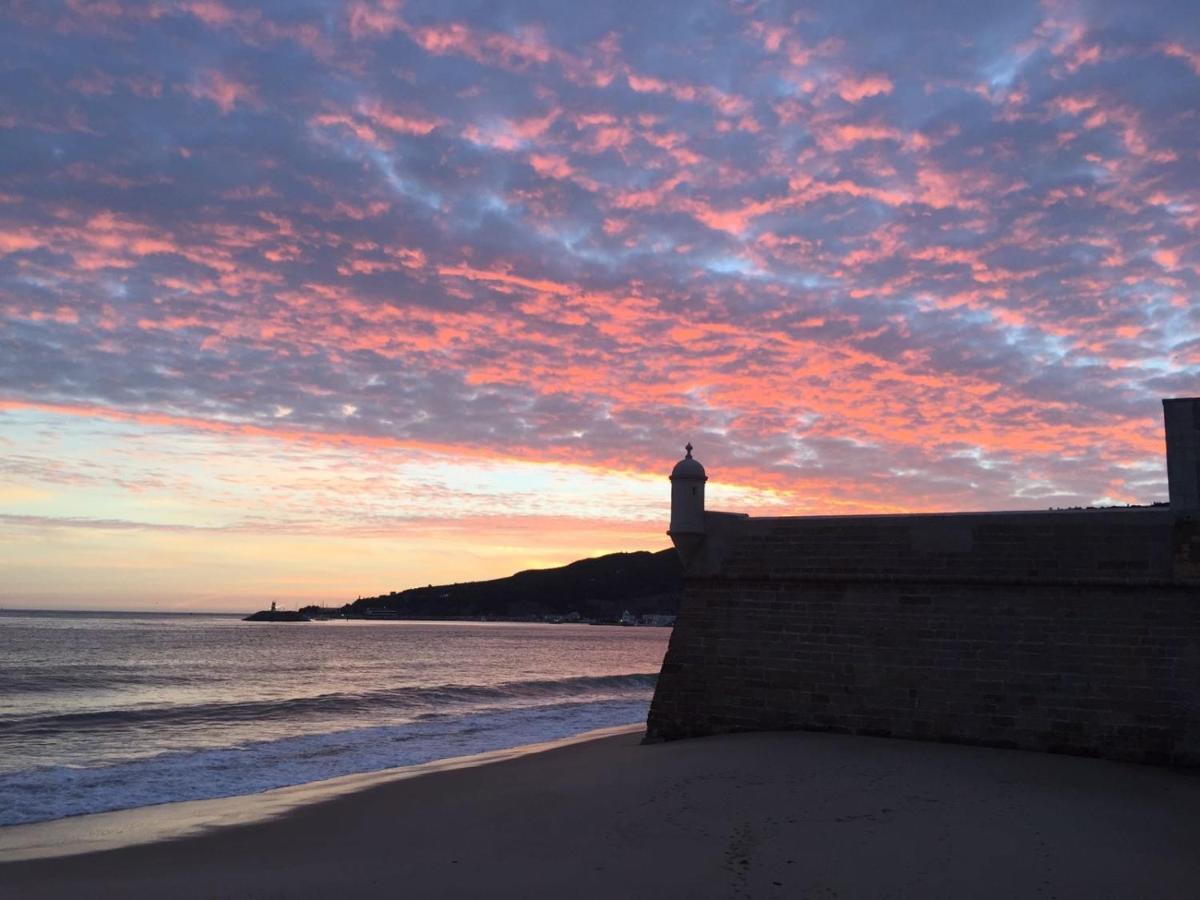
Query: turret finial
{"x": 688, "y": 448}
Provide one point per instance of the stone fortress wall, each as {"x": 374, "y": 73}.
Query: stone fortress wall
{"x": 1072, "y": 631}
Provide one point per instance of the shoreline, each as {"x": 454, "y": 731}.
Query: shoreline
{"x": 120, "y": 828}
{"x": 744, "y": 815}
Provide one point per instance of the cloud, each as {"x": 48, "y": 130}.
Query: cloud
{"x": 226, "y": 92}
{"x": 853, "y": 89}
{"x": 852, "y": 271}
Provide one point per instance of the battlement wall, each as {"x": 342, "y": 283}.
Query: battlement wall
{"x": 1071, "y": 631}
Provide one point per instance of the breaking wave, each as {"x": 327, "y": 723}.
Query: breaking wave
{"x": 52, "y": 792}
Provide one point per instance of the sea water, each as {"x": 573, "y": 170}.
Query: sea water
{"x": 104, "y": 711}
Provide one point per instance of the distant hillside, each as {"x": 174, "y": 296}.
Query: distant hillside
{"x": 599, "y": 589}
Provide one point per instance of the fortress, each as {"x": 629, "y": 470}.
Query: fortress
{"x": 1072, "y": 631}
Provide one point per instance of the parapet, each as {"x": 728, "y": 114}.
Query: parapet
{"x": 1115, "y": 546}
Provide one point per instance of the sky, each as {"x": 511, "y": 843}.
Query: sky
{"x": 305, "y": 300}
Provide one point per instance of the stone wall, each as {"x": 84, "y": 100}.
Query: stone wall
{"x": 1074, "y": 632}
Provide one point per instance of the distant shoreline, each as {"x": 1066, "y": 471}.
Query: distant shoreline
{"x": 241, "y": 614}
{"x": 54, "y": 610}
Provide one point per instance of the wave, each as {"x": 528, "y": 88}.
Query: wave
{"x": 411, "y": 699}
{"x": 53, "y": 792}
{"x": 47, "y": 679}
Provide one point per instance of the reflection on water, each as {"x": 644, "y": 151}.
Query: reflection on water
{"x": 123, "y": 709}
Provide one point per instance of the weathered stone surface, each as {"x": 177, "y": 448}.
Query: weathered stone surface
{"x": 1075, "y": 632}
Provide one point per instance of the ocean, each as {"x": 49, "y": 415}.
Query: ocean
{"x": 105, "y": 711}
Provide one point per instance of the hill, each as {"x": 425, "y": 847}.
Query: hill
{"x": 598, "y": 589}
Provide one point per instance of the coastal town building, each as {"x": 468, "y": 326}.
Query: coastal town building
{"x": 1074, "y": 631}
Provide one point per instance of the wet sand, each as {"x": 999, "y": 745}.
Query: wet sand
{"x": 756, "y": 815}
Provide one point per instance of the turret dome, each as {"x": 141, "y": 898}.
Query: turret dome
{"x": 689, "y": 468}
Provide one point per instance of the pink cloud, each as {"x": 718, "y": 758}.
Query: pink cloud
{"x": 644, "y": 84}
{"x": 504, "y": 278}
{"x": 361, "y": 130}
{"x": 852, "y": 89}
{"x": 551, "y": 165}
{"x": 1167, "y": 258}
{"x": 375, "y": 17}
{"x": 378, "y": 114}
{"x": 16, "y": 241}
{"x": 211, "y": 12}
{"x": 1177, "y": 50}
{"x": 524, "y": 47}
{"x": 941, "y": 189}
{"x": 223, "y": 90}
{"x": 733, "y": 221}
{"x": 844, "y": 137}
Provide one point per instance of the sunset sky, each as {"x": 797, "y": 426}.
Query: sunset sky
{"x": 303, "y": 300}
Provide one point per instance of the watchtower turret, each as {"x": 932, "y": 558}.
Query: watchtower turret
{"x": 687, "y": 506}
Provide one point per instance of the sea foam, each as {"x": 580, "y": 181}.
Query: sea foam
{"x": 53, "y": 792}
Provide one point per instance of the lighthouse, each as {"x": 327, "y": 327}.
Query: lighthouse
{"x": 687, "y": 506}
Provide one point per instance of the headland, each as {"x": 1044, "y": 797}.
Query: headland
{"x": 277, "y": 615}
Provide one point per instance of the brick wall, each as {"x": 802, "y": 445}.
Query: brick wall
{"x": 1069, "y": 632}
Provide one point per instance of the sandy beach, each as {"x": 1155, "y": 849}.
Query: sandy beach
{"x": 755, "y": 815}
